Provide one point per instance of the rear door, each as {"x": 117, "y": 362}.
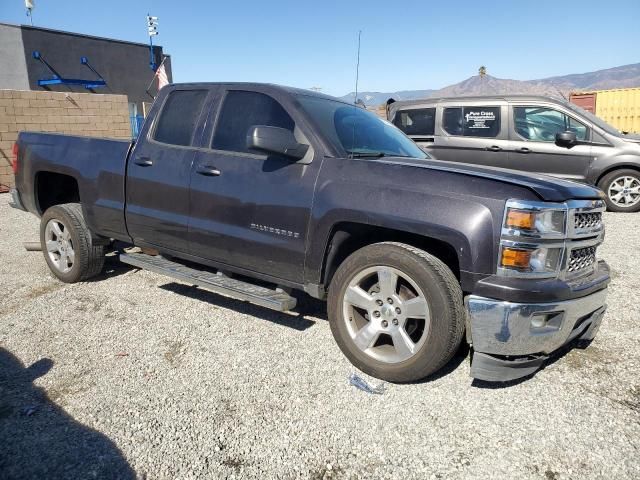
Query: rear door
{"x": 472, "y": 132}
{"x": 250, "y": 209}
{"x": 533, "y": 141}
{"x": 158, "y": 172}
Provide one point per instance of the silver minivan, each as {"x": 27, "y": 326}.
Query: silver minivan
{"x": 531, "y": 133}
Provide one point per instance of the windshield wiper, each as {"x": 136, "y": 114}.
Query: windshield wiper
{"x": 366, "y": 154}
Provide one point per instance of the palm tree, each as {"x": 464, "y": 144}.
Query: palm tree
{"x": 482, "y": 71}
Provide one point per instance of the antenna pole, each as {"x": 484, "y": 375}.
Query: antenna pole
{"x": 357, "y": 67}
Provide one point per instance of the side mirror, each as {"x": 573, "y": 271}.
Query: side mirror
{"x": 276, "y": 140}
{"x": 566, "y": 139}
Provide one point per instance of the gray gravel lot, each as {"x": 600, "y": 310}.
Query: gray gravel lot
{"x": 133, "y": 375}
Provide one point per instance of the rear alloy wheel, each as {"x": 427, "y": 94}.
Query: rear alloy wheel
{"x": 57, "y": 239}
{"x": 622, "y": 190}
{"x": 67, "y": 244}
{"x": 396, "y": 311}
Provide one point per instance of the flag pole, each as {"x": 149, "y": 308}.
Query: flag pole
{"x": 155, "y": 75}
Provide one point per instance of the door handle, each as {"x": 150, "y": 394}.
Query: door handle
{"x": 523, "y": 150}
{"x": 208, "y": 171}
{"x": 494, "y": 148}
{"x": 144, "y": 162}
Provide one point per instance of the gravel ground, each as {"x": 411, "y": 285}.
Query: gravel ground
{"x": 133, "y": 375}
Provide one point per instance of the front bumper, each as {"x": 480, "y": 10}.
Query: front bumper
{"x": 16, "y": 201}
{"x": 512, "y": 340}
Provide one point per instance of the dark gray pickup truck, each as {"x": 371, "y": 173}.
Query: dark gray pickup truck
{"x": 253, "y": 190}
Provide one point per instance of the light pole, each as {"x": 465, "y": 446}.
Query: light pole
{"x": 152, "y": 30}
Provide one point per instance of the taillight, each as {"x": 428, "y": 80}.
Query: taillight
{"x": 16, "y": 151}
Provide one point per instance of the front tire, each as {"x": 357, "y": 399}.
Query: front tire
{"x": 67, "y": 244}
{"x": 396, "y": 311}
{"x": 622, "y": 190}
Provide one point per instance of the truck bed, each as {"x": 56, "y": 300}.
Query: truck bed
{"x": 98, "y": 165}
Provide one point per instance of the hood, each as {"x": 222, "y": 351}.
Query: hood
{"x": 631, "y": 137}
{"x": 548, "y": 188}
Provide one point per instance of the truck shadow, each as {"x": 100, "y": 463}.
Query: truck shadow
{"x": 297, "y": 319}
{"x": 38, "y": 439}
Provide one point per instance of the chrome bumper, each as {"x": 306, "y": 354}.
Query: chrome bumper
{"x": 15, "y": 201}
{"x": 505, "y": 329}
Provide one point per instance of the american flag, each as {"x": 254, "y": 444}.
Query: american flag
{"x": 161, "y": 73}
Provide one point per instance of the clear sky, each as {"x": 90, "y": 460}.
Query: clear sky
{"x": 405, "y": 44}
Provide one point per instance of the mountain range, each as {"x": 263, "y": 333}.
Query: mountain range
{"x": 617, "y": 77}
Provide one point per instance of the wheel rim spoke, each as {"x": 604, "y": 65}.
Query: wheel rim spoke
{"x": 415, "y": 308}
{"x": 404, "y": 346}
{"x": 71, "y": 255}
{"x": 55, "y": 227}
{"x": 52, "y": 246}
{"x": 388, "y": 282}
{"x": 357, "y": 297}
{"x": 366, "y": 336}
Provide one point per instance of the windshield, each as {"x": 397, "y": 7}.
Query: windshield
{"x": 593, "y": 119}
{"x": 359, "y": 132}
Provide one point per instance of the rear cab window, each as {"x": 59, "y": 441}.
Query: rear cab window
{"x": 416, "y": 122}
{"x": 473, "y": 121}
{"x": 179, "y": 117}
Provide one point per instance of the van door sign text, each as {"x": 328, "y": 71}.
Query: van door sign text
{"x": 479, "y": 119}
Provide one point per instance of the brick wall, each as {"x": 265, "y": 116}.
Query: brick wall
{"x": 73, "y": 113}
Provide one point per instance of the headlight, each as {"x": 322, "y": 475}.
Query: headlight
{"x": 532, "y": 239}
{"x": 534, "y": 220}
{"x": 533, "y": 259}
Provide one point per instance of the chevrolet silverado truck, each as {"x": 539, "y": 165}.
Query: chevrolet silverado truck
{"x": 253, "y": 190}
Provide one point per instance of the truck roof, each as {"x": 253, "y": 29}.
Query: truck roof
{"x": 263, "y": 86}
{"x": 476, "y": 98}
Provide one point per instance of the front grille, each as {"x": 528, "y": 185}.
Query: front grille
{"x": 581, "y": 258}
{"x": 587, "y": 220}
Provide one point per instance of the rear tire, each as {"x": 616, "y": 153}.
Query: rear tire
{"x": 67, "y": 244}
{"x": 622, "y": 190}
{"x": 396, "y": 311}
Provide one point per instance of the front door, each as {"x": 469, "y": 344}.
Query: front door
{"x": 249, "y": 209}
{"x": 533, "y": 142}
{"x": 159, "y": 170}
{"x": 472, "y": 133}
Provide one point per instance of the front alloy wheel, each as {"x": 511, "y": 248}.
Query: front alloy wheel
{"x": 622, "y": 190}
{"x": 386, "y": 314}
{"x": 396, "y": 311}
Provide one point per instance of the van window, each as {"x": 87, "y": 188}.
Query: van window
{"x": 420, "y": 121}
{"x": 541, "y": 124}
{"x": 472, "y": 121}
{"x": 179, "y": 117}
{"x": 241, "y": 111}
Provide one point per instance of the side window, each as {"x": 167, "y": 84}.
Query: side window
{"x": 179, "y": 117}
{"x": 242, "y": 110}
{"x": 541, "y": 124}
{"x": 472, "y": 121}
{"x": 416, "y": 122}
{"x": 452, "y": 120}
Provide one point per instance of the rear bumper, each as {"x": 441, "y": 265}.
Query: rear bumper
{"x": 512, "y": 340}
{"x": 16, "y": 201}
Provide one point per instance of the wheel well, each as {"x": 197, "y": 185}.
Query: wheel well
{"x": 617, "y": 167}
{"x": 55, "y": 189}
{"x": 346, "y": 238}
